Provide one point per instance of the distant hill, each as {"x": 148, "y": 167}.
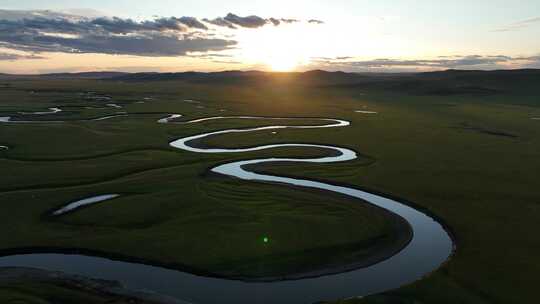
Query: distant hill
{"x": 87, "y": 75}
{"x": 317, "y": 77}
{"x": 455, "y": 82}
{"x": 84, "y": 75}
{"x": 449, "y": 82}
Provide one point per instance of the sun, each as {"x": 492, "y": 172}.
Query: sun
{"x": 282, "y": 64}
{"x": 274, "y": 48}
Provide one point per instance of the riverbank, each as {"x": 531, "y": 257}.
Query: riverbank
{"x": 30, "y": 285}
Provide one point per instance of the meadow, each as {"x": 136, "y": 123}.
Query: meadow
{"x": 467, "y": 154}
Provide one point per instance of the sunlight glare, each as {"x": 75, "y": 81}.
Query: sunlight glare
{"x": 275, "y": 48}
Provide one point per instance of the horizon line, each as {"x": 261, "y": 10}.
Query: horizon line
{"x": 271, "y": 72}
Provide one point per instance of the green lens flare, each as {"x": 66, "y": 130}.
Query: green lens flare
{"x": 266, "y": 239}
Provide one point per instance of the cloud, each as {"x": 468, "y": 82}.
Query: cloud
{"x": 60, "y": 33}
{"x": 220, "y": 22}
{"x": 117, "y": 25}
{"x": 81, "y": 31}
{"x": 532, "y": 62}
{"x": 284, "y": 20}
{"x": 446, "y": 63}
{"x": 233, "y": 21}
{"x": 442, "y": 62}
{"x": 249, "y": 21}
{"x": 275, "y": 21}
{"x": 208, "y": 55}
{"x": 315, "y": 21}
{"x": 193, "y": 23}
{"x": 516, "y": 26}
{"x": 12, "y": 57}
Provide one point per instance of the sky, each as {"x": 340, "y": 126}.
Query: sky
{"x": 204, "y": 35}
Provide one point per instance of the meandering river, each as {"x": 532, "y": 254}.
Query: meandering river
{"x": 430, "y": 246}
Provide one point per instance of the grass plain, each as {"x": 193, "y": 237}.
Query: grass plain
{"x": 465, "y": 148}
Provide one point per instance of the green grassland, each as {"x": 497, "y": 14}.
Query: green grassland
{"x": 211, "y": 225}
{"x": 470, "y": 159}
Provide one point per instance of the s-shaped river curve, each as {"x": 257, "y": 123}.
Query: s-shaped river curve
{"x": 428, "y": 249}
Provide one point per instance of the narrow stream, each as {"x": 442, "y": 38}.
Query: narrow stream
{"x": 84, "y": 202}
{"x": 51, "y": 111}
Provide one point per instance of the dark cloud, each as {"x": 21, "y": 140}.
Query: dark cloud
{"x": 233, "y": 21}
{"x": 117, "y": 25}
{"x": 249, "y": 21}
{"x": 208, "y": 55}
{"x": 227, "y": 61}
{"x": 516, "y": 26}
{"x": 112, "y": 25}
{"x": 159, "y": 37}
{"x": 533, "y": 62}
{"x": 315, "y": 21}
{"x": 289, "y": 20}
{"x": 12, "y": 57}
{"x": 48, "y": 31}
{"x": 193, "y": 23}
{"x": 275, "y": 21}
{"x": 150, "y": 45}
{"x": 442, "y": 62}
{"x": 220, "y": 22}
